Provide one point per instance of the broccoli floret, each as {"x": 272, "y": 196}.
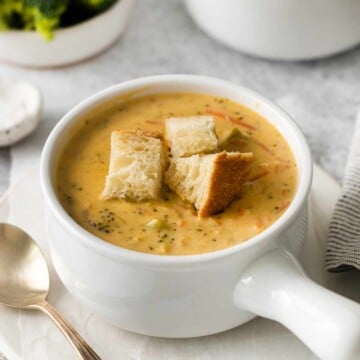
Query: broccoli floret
{"x": 97, "y": 5}
{"x": 234, "y": 140}
{"x": 9, "y": 11}
{"x": 43, "y": 16}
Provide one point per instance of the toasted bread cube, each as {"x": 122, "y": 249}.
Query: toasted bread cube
{"x": 137, "y": 163}
{"x": 210, "y": 182}
{"x": 191, "y": 135}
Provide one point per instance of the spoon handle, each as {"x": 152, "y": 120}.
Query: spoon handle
{"x": 84, "y": 351}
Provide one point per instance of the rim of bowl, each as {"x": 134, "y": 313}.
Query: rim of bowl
{"x": 62, "y": 30}
{"x": 132, "y": 256}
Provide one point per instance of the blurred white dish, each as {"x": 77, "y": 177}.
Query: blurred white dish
{"x": 286, "y": 30}
{"x": 70, "y": 45}
{"x": 20, "y": 110}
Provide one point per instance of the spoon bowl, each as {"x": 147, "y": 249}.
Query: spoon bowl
{"x": 25, "y": 282}
{"x": 24, "y": 276}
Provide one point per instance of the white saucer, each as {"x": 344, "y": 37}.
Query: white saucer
{"x": 29, "y": 335}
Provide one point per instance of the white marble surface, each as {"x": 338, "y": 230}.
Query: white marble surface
{"x": 322, "y": 95}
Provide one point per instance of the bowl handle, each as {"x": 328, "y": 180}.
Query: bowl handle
{"x": 275, "y": 286}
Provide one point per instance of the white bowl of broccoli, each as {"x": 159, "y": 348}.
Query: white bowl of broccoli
{"x": 51, "y": 33}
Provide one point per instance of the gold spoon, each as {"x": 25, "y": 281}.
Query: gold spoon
{"x": 24, "y": 282}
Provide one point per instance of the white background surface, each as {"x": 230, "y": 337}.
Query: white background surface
{"x": 323, "y": 96}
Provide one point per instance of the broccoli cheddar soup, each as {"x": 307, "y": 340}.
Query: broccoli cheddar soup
{"x": 169, "y": 224}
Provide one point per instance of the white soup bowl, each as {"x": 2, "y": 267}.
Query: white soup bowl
{"x": 196, "y": 295}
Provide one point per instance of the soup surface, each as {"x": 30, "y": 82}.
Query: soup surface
{"x": 171, "y": 226}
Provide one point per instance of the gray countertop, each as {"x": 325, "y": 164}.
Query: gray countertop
{"x": 323, "y": 95}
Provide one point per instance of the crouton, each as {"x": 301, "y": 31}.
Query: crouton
{"x": 211, "y": 182}
{"x": 187, "y": 136}
{"x": 137, "y": 163}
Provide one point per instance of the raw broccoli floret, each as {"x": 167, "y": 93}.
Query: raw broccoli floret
{"x": 97, "y": 5}
{"x": 43, "y": 15}
{"x": 9, "y": 12}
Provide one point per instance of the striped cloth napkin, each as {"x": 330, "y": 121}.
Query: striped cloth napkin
{"x": 343, "y": 250}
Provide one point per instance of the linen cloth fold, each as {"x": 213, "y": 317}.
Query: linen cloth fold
{"x": 343, "y": 249}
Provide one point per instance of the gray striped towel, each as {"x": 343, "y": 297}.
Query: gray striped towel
{"x": 343, "y": 249}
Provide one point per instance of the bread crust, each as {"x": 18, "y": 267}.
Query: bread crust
{"x": 230, "y": 172}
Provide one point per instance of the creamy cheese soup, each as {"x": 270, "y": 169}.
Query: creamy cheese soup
{"x": 171, "y": 226}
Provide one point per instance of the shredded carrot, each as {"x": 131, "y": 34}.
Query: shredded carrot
{"x": 243, "y": 124}
{"x": 218, "y": 114}
{"x": 263, "y": 146}
{"x": 261, "y": 174}
{"x": 224, "y": 116}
